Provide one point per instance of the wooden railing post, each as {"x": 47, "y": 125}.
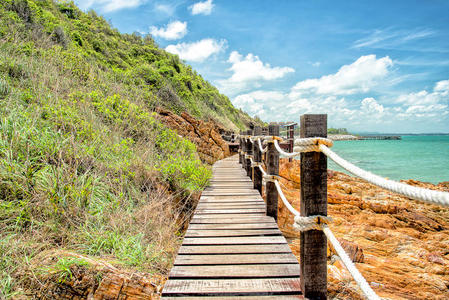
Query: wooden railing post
{"x": 313, "y": 249}
{"x": 240, "y": 147}
{"x": 249, "y": 151}
{"x": 257, "y": 174}
{"x": 272, "y": 156}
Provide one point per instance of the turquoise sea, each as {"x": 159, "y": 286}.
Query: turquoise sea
{"x": 421, "y": 157}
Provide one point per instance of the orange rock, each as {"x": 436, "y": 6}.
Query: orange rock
{"x": 205, "y": 135}
{"x": 405, "y": 243}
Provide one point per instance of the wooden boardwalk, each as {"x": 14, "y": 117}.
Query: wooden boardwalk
{"x": 231, "y": 249}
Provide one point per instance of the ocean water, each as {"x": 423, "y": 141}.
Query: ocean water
{"x": 422, "y": 157}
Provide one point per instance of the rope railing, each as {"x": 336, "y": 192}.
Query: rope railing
{"x": 417, "y": 193}
{"x": 320, "y": 222}
{"x": 322, "y": 145}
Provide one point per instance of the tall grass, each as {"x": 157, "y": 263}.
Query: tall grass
{"x": 84, "y": 166}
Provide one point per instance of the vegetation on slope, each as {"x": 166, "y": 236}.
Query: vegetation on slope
{"x": 84, "y": 164}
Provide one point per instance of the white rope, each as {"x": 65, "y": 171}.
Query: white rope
{"x": 313, "y": 141}
{"x": 426, "y": 195}
{"x": 282, "y": 152}
{"x": 361, "y": 282}
{"x": 270, "y": 178}
{"x": 261, "y": 147}
{"x": 284, "y": 200}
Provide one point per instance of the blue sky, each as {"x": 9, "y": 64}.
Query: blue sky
{"x": 371, "y": 65}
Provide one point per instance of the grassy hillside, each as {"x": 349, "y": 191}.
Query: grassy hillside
{"x": 85, "y": 166}
{"x": 86, "y": 42}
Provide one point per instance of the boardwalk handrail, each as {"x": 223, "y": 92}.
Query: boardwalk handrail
{"x": 319, "y": 222}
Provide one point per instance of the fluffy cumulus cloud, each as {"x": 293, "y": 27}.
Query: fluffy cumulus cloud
{"x": 173, "y": 31}
{"x": 204, "y": 8}
{"x": 358, "y": 77}
{"x": 248, "y": 71}
{"x": 257, "y": 102}
{"x": 197, "y": 51}
{"x": 110, "y": 5}
{"x": 370, "y": 105}
{"x": 343, "y": 96}
{"x": 425, "y": 104}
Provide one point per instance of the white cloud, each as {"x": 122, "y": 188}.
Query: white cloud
{"x": 440, "y": 94}
{"x": 256, "y": 103}
{"x": 173, "y": 31}
{"x": 370, "y": 105}
{"x": 248, "y": 71}
{"x": 197, "y": 51}
{"x": 442, "y": 87}
{"x": 204, "y": 8}
{"x": 110, "y": 5}
{"x": 360, "y": 76}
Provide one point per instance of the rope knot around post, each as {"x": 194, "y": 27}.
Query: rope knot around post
{"x": 271, "y": 178}
{"x": 271, "y": 139}
{"x": 316, "y": 222}
{"x": 256, "y": 164}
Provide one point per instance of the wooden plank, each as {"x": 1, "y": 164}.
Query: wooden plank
{"x": 230, "y": 215}
{"x": 212, "y": 205}
{"x": 268, "y": 225}
{"x": 235, "y": 249}
{"x": 230, "y": 211}
{"x": 235, "y": 287}
{"x": 236, "y": 259}
{"x": 230, "y": 198}
{"x": 209, "y": 190}
{"x": 233, "y": 219}
{"x": 235, "y": 271}
{"x": 230, "y": 206}
{"x": 277, "y": 297}
{"x": 232, "y": 184}
{"x": 248, "y": 240}
{"x": 231, "y": 232}
{"x": 239, "y": 221}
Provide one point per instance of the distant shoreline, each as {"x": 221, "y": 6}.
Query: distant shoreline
{"x": 387, "y": 136}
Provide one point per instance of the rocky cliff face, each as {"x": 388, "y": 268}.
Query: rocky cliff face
{"x": 401, "y": 246}
{"x": 205, "y": 135}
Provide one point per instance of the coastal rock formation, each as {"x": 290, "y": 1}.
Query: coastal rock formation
{"x": 401, "y": 246}
{"x": 205, "y": 135}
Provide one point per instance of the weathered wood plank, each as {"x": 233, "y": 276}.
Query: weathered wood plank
{"x": 268, "y": 225}
{"x": 209, "y": 190}
{"x": 236, "y": 259}
{"x": 249, "y": 240}
{"x": 277, "y": 297}
{"x": 229, "y": 215}
{"x": 231, "y": 232}
{"x": 235, "y": 271}
{"x": 230, "y": 204}
{"x": 234, "y": 220}
{"x": 230, "y": 211}
{"x": 235, "y": 287}
{"x": 234, "y": 249}
{"x": 221, "y": 199}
